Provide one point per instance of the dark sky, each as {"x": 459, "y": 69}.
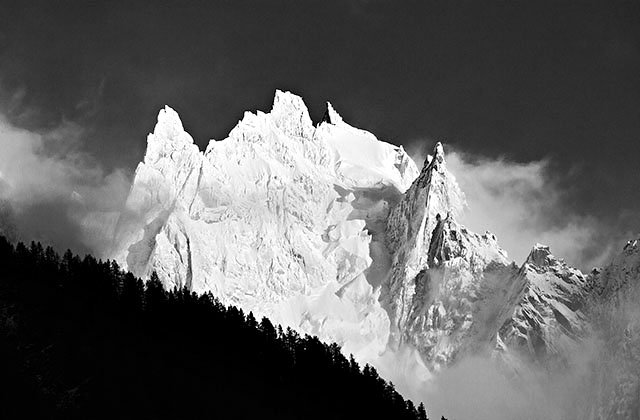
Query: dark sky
{"x": 527, "y": 80}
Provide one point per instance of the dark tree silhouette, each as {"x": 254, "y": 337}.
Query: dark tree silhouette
{"x": 422, "y": 412}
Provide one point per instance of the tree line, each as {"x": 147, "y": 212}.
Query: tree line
{"x": 81, "y": 338}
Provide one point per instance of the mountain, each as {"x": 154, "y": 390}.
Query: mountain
{"x": 335, "y": 233}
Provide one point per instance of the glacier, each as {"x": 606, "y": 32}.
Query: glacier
{"x": 326, "y": 229}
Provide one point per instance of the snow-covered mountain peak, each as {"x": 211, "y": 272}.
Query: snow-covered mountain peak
{"x": 291, "y": 115}
{"x": 437, "y": 179}
{"x": 331, "y": 116}
{"x": 169, "y": 124}
{"x": 437, "y": 158}
{"x": 421, "y": 233}
{"x": 541, "y": 260}
{"x": 168, "y": 137}
{"x": 434, "y": 193}
{"x": 622, "y": 273}
{"x": 540, "y": 255}
{"x": 286, "y": 103}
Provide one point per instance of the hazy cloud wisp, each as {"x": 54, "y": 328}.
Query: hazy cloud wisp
{"x": 53, "y": 191}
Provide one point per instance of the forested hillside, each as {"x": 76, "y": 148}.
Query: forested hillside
{"x": 80, "y": 338}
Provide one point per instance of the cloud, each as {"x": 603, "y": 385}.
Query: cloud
{"x": 482, "y": 387}
{"x": 523, "y": 204}
{"x": 475, "y": 389}
{"x": 53, "y": 191}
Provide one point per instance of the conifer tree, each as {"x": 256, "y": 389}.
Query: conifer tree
{"x": 251, "y": 321}
{"x": 422, "y": 413}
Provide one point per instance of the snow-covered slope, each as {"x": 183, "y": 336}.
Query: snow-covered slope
{"x": 331, "y": 231}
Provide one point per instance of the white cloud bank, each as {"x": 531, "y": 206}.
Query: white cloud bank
{"x": 48, "y": 187}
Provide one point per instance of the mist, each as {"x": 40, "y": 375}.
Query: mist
{"x": 54, "y": 192}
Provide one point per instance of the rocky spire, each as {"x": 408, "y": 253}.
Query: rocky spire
{"x": 437, "y": 158}
{"x": 432, "y": 197}
{"x": 291, "y": 115}
{"x": 434, "y": 191}
{"x": 168, "y": 136}
{"x": 331, "y": 116}
{"x": 539, "y": 256}
{"x": 617, "y": 277}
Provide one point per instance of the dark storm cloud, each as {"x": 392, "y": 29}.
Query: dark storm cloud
{"x": 552, "y": 82}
